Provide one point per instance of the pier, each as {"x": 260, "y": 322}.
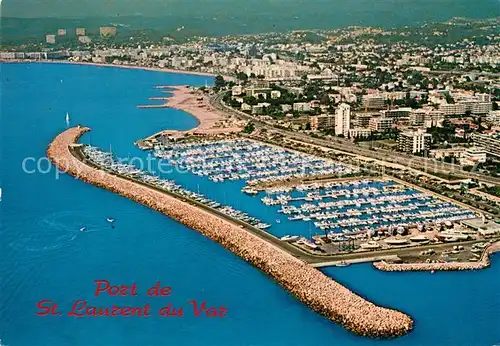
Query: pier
{"x": 484, "y": 262}
{"x": 153, "y": 106}
{"x": 307, "y": 284}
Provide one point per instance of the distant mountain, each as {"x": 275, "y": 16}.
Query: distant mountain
{"x": 221, "y": 17}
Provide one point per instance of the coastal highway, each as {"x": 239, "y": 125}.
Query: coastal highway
{"x": 415, "y": 162}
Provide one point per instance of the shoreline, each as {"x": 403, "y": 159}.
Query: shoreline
{"x": 321, "y": 293}
{"x": 210, "y": 120}
{"x": 483, "y": 263}
{"x": 134, "y": 67}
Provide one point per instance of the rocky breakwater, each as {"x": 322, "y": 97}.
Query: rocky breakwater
{"x": 483, "y": 262}
{"x": 313, "y": 288}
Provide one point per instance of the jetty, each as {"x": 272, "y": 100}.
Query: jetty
{"x": 307, "y": 284}
{"x": 153, "y": 106}
{"x": 484, "y": 262}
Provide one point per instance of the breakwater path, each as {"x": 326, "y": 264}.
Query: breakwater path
{"x": 307, "y": 284}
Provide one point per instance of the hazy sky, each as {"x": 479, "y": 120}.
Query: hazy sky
{"x": 84, "y": 8}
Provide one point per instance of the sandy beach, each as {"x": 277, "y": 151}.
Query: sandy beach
{"x": 196, "y": 103}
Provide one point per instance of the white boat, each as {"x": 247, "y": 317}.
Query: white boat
{"x": 396, "y": 241}
{"x": 67, "y": 119}
{"x": 110, "y": 220}
{"x": 342, "y": 264}
{"x": 290, "y": 238}
{"x": 371, "y": 245}
{"x": 83, "y": 229}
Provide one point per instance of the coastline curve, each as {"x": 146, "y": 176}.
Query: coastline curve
{"x": 321, "y": 293}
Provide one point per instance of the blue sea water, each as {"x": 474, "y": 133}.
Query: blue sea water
{"x": 43, "y": 255}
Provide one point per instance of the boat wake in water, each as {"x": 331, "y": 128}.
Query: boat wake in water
{"x": 56, "y": 231}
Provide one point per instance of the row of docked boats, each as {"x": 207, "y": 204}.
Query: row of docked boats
{"x": 240, "y": 159}
{"x": 364, "y": 207}
{"x": 106, "y": 161}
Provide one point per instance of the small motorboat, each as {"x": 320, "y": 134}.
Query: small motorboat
{"x": 110, "y": 220}
{"x": 83, "y": 229}
{"x": 342, "y": 264}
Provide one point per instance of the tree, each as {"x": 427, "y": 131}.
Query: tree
{"x": 249, "y": 128}
{"x": 242, "y": 76}
{"x": 219, "y": 82}
{"x": 495, "y": 106}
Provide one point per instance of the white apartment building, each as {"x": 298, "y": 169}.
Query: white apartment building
{"x": 325, "y": 121}
{"x": 237, "y": 90}
{"x": 473, "y": 156}
{"x": 359, "y": 132}
{"x": 275, "y": 94}
{"x": 343, "y": 119}
{"x": 301, "y": 107}
{"x": 463, "y": 106}
{"x": 481, "y": 107}
{"x": 380, "y": 124}
{"x": 374, "y": 101}
{"x": 491, "y": 143}
{"x": 50, "y": 39}
{"x": 452, "y": 108}
{"x": 414, "y": 141}
{"x": 484, "y": 97}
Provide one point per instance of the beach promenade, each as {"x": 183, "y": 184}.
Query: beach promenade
{"x": 307, "y": 284}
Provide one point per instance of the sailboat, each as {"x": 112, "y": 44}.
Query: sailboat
{"x": 67, "y": 119}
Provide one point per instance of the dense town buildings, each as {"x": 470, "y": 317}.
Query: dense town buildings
{"x": 373, "y": 89}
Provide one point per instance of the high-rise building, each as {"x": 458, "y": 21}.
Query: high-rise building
{"x": 50, "y": 39}
{"x": 414, "y": 141}
{"x": 343, "y": 119}
{"x": 107, "y": 31}
{"x": 80, "y": 31}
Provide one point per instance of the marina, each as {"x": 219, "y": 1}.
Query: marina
{"x": 106, "y": 160}
{"x": 317, "y": 205}
{"x": 242, "y": 159}
{"x": 319, "y": 292}
{"x": 368, "y": 207}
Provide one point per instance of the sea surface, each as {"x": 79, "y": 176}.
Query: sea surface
{"x": 43, "y": 255}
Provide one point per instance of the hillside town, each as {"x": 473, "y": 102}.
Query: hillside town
{"x": 438, "y": 100}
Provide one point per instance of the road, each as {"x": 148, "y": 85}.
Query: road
{"x": 419, "y": 163}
